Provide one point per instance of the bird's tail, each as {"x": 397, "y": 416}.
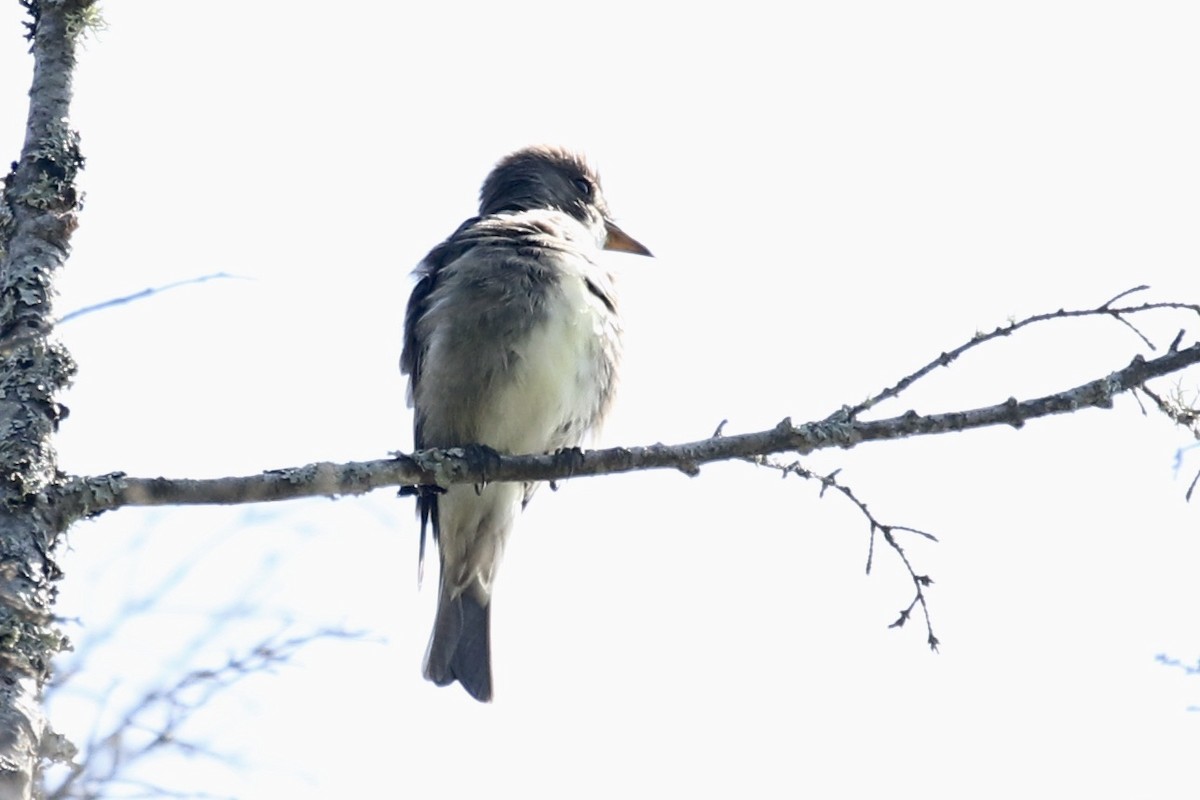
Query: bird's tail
{"x": 460, "y": 648}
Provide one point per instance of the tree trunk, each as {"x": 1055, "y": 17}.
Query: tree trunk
{"x": 37, "y": 217}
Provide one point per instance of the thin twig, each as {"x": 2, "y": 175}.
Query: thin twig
{"x": 920, "y": 582}
{"x": 948, "y": 357}
{"x": 156, "y": 720}
{"x": 144, "y": 293}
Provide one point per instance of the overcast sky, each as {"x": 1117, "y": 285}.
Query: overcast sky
{"x": 835, "y": 195}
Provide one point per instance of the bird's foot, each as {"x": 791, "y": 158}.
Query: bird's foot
{"x": 572, "y": 457}
{"x": 481, "y": 459}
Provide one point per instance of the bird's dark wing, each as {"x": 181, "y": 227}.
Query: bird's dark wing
{"x": 412, "y": 355}
{"x": 413, "y": 352}
{"x": 410, "y": 364}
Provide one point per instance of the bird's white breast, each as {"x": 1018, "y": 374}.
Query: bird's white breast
{"x": 556, "y": 390}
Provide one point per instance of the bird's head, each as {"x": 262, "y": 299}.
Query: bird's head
{"x": 552, "y": 177}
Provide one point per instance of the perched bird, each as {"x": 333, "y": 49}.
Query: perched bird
{"x": 511, "y": 340}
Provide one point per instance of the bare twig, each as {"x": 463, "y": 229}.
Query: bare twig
{"x": 155, "y": 722}
{"x": 1188, "y": 669}
{"x": 947, "y": 358}
{"x": 920, "y": 582}
{"x": 143, "y": 294}
{"x": 1108, "y": 303}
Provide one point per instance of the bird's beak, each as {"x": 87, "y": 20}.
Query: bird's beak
{"x": 618, "y": 239}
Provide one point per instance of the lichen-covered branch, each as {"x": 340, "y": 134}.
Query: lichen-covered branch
{"x": 86, "y": 496}
{"x": 38, "y": 211}
{"x": 1183, "y": 413}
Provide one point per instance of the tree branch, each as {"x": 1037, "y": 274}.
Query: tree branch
{"x": 920, "y": 582}
{"x": 946, "y": 359}
{"x": 87, "y": 496}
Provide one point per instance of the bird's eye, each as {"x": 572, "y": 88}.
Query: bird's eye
{"x": 584, "y": 186}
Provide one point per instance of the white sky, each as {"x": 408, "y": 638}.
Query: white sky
{"x": 835, "y": 195}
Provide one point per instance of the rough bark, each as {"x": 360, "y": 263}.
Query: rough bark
{"x": 37, "y": 217}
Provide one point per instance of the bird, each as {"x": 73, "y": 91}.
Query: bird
{"x": 512, "y": 341}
